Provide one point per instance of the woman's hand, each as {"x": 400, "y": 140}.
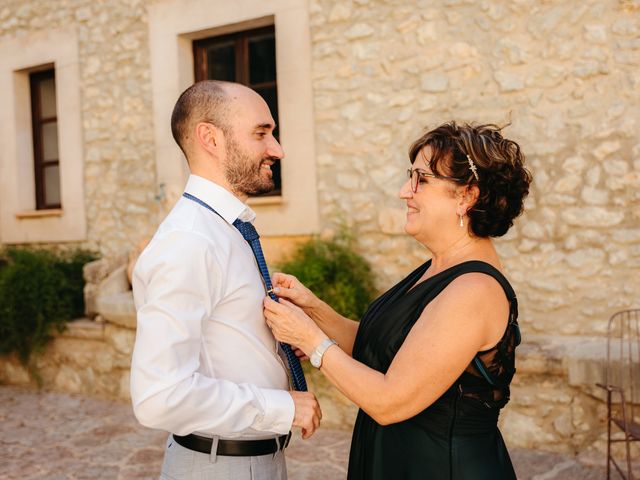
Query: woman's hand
{"x": 291, "y": 325}
{"x": 289, "y": 287}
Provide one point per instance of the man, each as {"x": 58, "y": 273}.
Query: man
{"x": 205, "y": 365}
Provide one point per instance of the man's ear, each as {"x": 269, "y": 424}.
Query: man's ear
{"x": 209, "y": 137}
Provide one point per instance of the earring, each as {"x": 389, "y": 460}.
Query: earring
{"x": 461, "y": 221}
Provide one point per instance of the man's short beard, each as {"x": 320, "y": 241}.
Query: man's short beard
{"x": 242, "y": 173}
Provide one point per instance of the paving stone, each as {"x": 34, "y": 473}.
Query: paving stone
{"x": 56, "y": 436}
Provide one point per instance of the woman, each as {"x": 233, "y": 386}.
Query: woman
{"x": 431, "y": 361}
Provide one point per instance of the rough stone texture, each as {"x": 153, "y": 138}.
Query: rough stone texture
{"x": 89, "y": 357}
{"x": 564, "y": 74}
{"x": 115, "y": 99}
{"x": 47, "y": 435}
{"x": 95, "y": 274}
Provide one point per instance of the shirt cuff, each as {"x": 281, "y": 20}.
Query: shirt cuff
{"x": 278, "y": 412}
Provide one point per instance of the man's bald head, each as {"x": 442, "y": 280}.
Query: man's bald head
{"x": 206, "y": 101}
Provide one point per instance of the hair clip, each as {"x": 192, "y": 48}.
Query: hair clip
{"x": 473, "y": 168}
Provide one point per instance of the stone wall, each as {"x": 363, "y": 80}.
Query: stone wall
{"x": 116, "y": 109}
{"x": 89, "y": 357}
{"x": 565, "y": 74}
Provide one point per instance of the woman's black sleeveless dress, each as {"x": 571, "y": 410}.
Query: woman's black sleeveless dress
{"x": 457, "y": 437}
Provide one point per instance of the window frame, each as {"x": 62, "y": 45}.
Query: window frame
{"x": 242, "y": 54}
{"x": 20, "y": 222}
{"x": 173, "y": 26}
{"x": 38, "y": 122}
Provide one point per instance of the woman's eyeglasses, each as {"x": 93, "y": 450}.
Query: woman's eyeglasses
{"x": 415, "y": 174}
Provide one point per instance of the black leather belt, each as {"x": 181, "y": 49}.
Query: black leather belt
{"x": 234, "y": 448}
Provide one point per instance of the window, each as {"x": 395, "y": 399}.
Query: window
{"x": 174, "y": 27}
{"x": 45, "y": 139}
{"x": 41, "y": 148}
{"x": 249, "y": 58}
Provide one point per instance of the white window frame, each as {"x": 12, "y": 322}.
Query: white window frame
{"x": 173, "y": 26}
{"x": 20, "y": 222}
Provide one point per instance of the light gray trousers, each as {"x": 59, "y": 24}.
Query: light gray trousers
{"x": 180, "y": 463}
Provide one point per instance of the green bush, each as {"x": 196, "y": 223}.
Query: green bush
{"x": 39, "y": 292}
{"x": 335, "y": 273}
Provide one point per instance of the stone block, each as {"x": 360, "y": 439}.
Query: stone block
{"x": 122, "y": 339}
{"x": 592, "y": 216}
{"x": 521, "y": 430}
{"x": 118, "y": 308}
{"x": 359, "y": 30}
{"x": 84, "y": 328}
{"x": 509, "y": 82}
{"x": 68, "y": 380}
{"x": 96, "y": 271}
{"x": 339, "y": 12}
{"x": 434, "y": 82}
{"x": 589, "y": 258}
{"x": 537, "y": 356}
{"x": 90, "y": 294}
{"x": 348, "y": 181}
{"x": 596, "y": 33}
{"x": 563, "y": 425}
{"x": 568, "y": 183}
{"x": 103, "y": 361}
{"x": 626, "y": 235}
{"x": 594, "y": 196}
{"x": 116, "y": 282}
{"x": 13, "y": 372}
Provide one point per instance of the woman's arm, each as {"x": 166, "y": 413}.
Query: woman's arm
{"x": 343, "y": 330}
{"x": 468, "y": 316}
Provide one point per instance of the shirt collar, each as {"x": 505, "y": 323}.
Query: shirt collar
{"x": 220, "y": 199}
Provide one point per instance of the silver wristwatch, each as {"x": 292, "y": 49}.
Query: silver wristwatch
{"x": 318, "y": 352}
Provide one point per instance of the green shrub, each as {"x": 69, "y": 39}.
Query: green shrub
{"x": 335, "y": 273}
{"x": 39, "y": 292}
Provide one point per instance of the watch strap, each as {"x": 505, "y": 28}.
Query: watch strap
{"x": 319, "y": 351}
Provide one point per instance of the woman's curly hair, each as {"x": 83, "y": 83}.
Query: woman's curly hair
{"x": 502, "y": 179}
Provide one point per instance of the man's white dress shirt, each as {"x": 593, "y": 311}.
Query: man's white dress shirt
{"x": 204, "y": 359}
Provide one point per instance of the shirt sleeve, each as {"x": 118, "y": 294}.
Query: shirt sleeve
{"x": 175, "y": 293}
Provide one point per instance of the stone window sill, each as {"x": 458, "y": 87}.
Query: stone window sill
{"x": 53, "y": 212}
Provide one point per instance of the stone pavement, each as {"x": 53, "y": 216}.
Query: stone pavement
{"x": 57, "y": 436}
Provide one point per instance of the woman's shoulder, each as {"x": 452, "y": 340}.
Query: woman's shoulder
{"x": 476, "y": 286}
{"x": 481, "y": 274}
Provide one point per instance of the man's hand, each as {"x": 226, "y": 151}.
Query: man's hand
{"x": 308, "y": 413}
